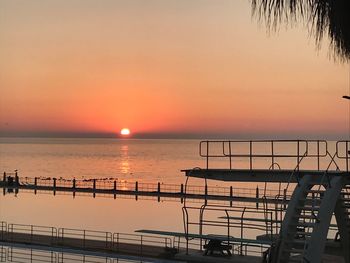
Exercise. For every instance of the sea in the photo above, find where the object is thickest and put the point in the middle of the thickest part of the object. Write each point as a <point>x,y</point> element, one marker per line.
<point>129,160</point>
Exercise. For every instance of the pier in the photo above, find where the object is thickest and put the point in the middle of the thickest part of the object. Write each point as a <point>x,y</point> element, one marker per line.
<point>114,188</point>
<point>306,218</point>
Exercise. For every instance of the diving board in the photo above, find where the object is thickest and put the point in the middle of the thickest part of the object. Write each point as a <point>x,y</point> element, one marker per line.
<point>206,236</point>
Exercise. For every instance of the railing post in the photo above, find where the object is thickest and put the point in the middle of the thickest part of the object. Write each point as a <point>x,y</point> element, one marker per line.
<point>284,198</point>
<point>229,145</point>
<point>318,155</point>
<point>207,155</point>
<point>272,155</point>
<point>73,186</point>
<point>35,184</point>
<point>251,155</point>
<point>298,149</point>
<point>115,189</point>
<point>84,239</point>
<point>16,179</point>
<point>347,156</point>
<point>231,195</point>
<point>31,233</point>
<point>136,190</point>
<point>54,186</point>
<point>141,246</point>
<point>94,187</point>
<point>257,197</point>
<point>158,191</point>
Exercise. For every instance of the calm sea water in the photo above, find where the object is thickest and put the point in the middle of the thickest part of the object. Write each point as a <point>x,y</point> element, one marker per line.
<point>142,160</point>
<point>131,160</point>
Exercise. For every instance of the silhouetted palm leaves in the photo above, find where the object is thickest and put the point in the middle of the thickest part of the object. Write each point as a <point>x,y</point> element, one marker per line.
<point>331,17</point>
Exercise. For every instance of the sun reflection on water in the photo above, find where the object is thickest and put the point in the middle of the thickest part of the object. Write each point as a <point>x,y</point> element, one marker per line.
<point>124,165</point>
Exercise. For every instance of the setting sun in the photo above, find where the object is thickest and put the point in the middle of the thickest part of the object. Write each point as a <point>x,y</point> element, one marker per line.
<point>125,131</point>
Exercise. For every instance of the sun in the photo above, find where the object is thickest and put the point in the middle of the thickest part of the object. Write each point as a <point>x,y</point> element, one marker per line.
<point>125,132</point>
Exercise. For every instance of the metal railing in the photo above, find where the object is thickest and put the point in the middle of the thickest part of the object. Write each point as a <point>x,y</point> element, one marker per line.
<point>145,242</point>
<point>115,187</point>
<point>252,152</point>
<point>3,230</point>
<point>2,254</point>
<point>20,255</point>
<point>84,238</point>
<point>28,255</point>
<point>343,153</point>
<point>31,233</point>
<point>87,239</point>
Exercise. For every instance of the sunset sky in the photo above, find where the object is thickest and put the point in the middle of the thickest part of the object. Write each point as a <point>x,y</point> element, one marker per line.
<point>198,67</point>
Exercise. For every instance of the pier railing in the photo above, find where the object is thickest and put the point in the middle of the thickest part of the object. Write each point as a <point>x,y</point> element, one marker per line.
<point>145,241</point>
<point>83,239</point>
<point>31,233</point>
<point>275,154</point>
<point>29,255</point>
<point>114,186</point>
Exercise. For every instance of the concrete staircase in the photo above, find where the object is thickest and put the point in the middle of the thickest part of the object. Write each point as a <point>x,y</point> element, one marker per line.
<point>305,227</point>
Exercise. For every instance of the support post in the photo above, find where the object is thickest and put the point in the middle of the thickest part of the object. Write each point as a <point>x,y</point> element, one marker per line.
<point>136,189</point>
<point>182,193</point>
<point>74,184</point>
<point>94,187</point>
<point>115,188</point>
<point>257,197</point>
<point>54,186</point>
<point>158,191</point>
<point>16,179</point>
<point>35,184</point>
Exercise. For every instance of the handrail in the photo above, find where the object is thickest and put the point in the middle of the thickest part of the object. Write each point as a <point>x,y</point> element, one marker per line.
<point>70,236</point>
<point>272,149</point>
<point>346,155</point>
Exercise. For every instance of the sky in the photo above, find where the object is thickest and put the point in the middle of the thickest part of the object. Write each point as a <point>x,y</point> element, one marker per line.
<point>164,68</point>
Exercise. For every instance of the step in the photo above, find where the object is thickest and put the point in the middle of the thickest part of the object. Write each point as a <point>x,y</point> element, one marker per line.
<point>293,250</point>
<point>296,241</point>
<point>299,260</point>
<point>315,191</point>
<point>303,233</point>
<point>305,224</point>
<point>308,208</point>
<point>314,217</point>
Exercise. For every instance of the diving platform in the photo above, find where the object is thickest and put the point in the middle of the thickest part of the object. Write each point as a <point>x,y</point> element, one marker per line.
<point>260,175</point>
<point>317,173</point>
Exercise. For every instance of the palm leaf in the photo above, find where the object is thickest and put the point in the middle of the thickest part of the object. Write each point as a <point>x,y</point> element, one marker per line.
<point>324,17</point>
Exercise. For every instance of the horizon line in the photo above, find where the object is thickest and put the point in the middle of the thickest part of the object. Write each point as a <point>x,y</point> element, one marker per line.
<point>173,135</point>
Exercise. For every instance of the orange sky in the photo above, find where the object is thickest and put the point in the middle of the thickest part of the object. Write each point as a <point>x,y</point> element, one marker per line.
<point>156,66</point>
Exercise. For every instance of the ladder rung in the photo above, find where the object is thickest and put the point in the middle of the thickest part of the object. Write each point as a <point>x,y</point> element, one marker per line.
<point>294,250</point>
<point>315,191</point>
<point>303,233</point>
<point>309,208</point>
<point>305,224</point>
<point>307,216</point>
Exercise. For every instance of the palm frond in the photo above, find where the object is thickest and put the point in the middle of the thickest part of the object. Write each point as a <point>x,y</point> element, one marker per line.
<point>325,17</point>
